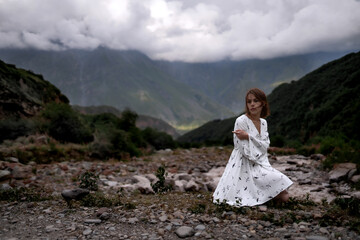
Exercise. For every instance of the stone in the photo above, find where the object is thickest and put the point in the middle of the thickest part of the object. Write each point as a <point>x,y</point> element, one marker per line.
<point>12,159</point>
<point>179,185</point>
<point>143,184</point>
<point>76,194</point>
<point>351,173</point>
<point>20,172</point>
<point>4,174</point>
<point>340,171</point>
<point>5,187</point>
<point>163,218</point>
<point>355,179</point>
<point>133,220</point>
<point>262,208</point>
<point>92,221</point>
<point>87,231</point>
<point>317,156</point>
<point>200,227</point>
<point>192,186</point>
<point>184,232</point>
<point>315,237</point>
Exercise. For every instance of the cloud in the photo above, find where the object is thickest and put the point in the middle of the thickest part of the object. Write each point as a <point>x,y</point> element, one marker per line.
<point>187,30</point>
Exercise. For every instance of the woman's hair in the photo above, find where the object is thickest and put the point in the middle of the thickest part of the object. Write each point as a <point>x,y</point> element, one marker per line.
<point>259,95</point>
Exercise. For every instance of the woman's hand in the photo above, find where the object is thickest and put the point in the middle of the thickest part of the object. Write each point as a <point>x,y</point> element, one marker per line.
<point>241,134</point>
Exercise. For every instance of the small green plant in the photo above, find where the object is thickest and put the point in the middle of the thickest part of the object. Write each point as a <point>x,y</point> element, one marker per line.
<point>89,180</point>
<point>98,199</point>
<point>160,186</point>
<point>198,208</point>
<point>23,195</point>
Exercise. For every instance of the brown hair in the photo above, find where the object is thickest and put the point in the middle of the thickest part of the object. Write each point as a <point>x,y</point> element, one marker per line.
<point>260,95</point>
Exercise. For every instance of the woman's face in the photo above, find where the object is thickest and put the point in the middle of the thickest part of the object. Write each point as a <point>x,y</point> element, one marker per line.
<point>254,105</point>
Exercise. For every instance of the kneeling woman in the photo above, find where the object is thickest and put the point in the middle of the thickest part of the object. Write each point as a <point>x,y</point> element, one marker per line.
<point>249,179</point>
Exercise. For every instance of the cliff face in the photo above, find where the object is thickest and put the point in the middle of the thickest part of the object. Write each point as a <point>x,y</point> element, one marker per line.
<point>23,93</point>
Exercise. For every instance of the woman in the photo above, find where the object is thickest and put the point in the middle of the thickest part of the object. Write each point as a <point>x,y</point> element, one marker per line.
<point>248,178</point>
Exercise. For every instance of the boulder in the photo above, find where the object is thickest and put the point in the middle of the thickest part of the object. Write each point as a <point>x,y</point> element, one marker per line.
<point>179,185</point>
<point>4,174</point>
<point>192,186</point>
<point>76,194</point>
<point>355,179</point>
<point>143,184</point>
<point>184,232</point>
<point>340,171</point>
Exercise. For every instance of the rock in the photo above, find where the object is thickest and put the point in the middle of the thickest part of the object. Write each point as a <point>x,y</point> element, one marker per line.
<point>163,218</point>
<point>87,231</point>
<point>200,227</point>
<point>133,220</point>
<point>76,194</point>
<point>262,208</point>
<point>316,238</point>
<point>184,232</point>
<point>340,171</point>
<point>12,159</point>
<point>351,173</point>
<point>183,176</point>
<point>4,174</point>
<point>179,185</point>
<point>192,186</point>
<point>143,184</point>
<point>5,187</point>
<point>317,156</point>
<point>355,178</point>
<point>356,195</point>
<point>92,221</point>
<point>20,172</point>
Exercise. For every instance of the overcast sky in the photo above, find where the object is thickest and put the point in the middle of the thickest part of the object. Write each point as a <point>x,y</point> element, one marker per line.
<point>188,30</point>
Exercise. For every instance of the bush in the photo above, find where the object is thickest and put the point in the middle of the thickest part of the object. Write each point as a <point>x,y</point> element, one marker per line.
<point>159,140</point>
<point>14,128</point>
<point>277,141</point>
<point>65,125</point>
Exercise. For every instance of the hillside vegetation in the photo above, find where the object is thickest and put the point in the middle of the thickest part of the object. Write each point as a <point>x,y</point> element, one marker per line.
<point>320,108</point>
<point>185,95</point>
<point>122,79</point>
<point>33,109</point>
<point>23,93</point>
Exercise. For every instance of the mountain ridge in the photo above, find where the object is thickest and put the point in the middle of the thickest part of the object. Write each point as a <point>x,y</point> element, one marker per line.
<point>130,79</point>
<point>324,102</point>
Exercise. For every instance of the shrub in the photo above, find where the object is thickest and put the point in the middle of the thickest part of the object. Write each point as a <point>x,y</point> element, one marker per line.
<point>159,140</point>
<point>89,180</point>
<point>65,125</point>
<point>13,128</point>
<point>160,186</point>
<point>277,141</point>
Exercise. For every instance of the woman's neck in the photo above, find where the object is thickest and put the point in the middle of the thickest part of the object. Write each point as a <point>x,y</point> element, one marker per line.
<point>254,117</point>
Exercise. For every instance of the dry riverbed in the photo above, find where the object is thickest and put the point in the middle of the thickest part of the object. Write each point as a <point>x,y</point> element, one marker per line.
<point>125,208</point>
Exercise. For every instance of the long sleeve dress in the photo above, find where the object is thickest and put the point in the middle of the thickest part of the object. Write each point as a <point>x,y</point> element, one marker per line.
<point>248,178</point>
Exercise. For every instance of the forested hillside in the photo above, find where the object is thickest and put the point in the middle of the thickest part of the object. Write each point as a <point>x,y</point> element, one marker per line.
<point>325,102</point>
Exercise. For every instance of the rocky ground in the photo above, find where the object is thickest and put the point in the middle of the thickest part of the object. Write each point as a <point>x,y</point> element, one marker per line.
<point>127,208</point>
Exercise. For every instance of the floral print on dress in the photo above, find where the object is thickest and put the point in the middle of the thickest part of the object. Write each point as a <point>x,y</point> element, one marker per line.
<point>248,178</point>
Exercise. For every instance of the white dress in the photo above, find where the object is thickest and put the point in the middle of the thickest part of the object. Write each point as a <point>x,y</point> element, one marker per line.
<point>248,178</point>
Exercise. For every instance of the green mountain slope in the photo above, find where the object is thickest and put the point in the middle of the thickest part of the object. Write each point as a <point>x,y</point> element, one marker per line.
<point>325,102</point>
<point>226,82</point>
<point>23,93</point>
<point>142,121</point>
<point>120,79</point>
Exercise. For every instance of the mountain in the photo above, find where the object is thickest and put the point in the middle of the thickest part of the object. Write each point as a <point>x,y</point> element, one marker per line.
<point>23,93</point>
<point>227,82</point>
<point>142,121</point>
<point>120,79</point>
<point>185,95</point>
<point>325,102</point>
